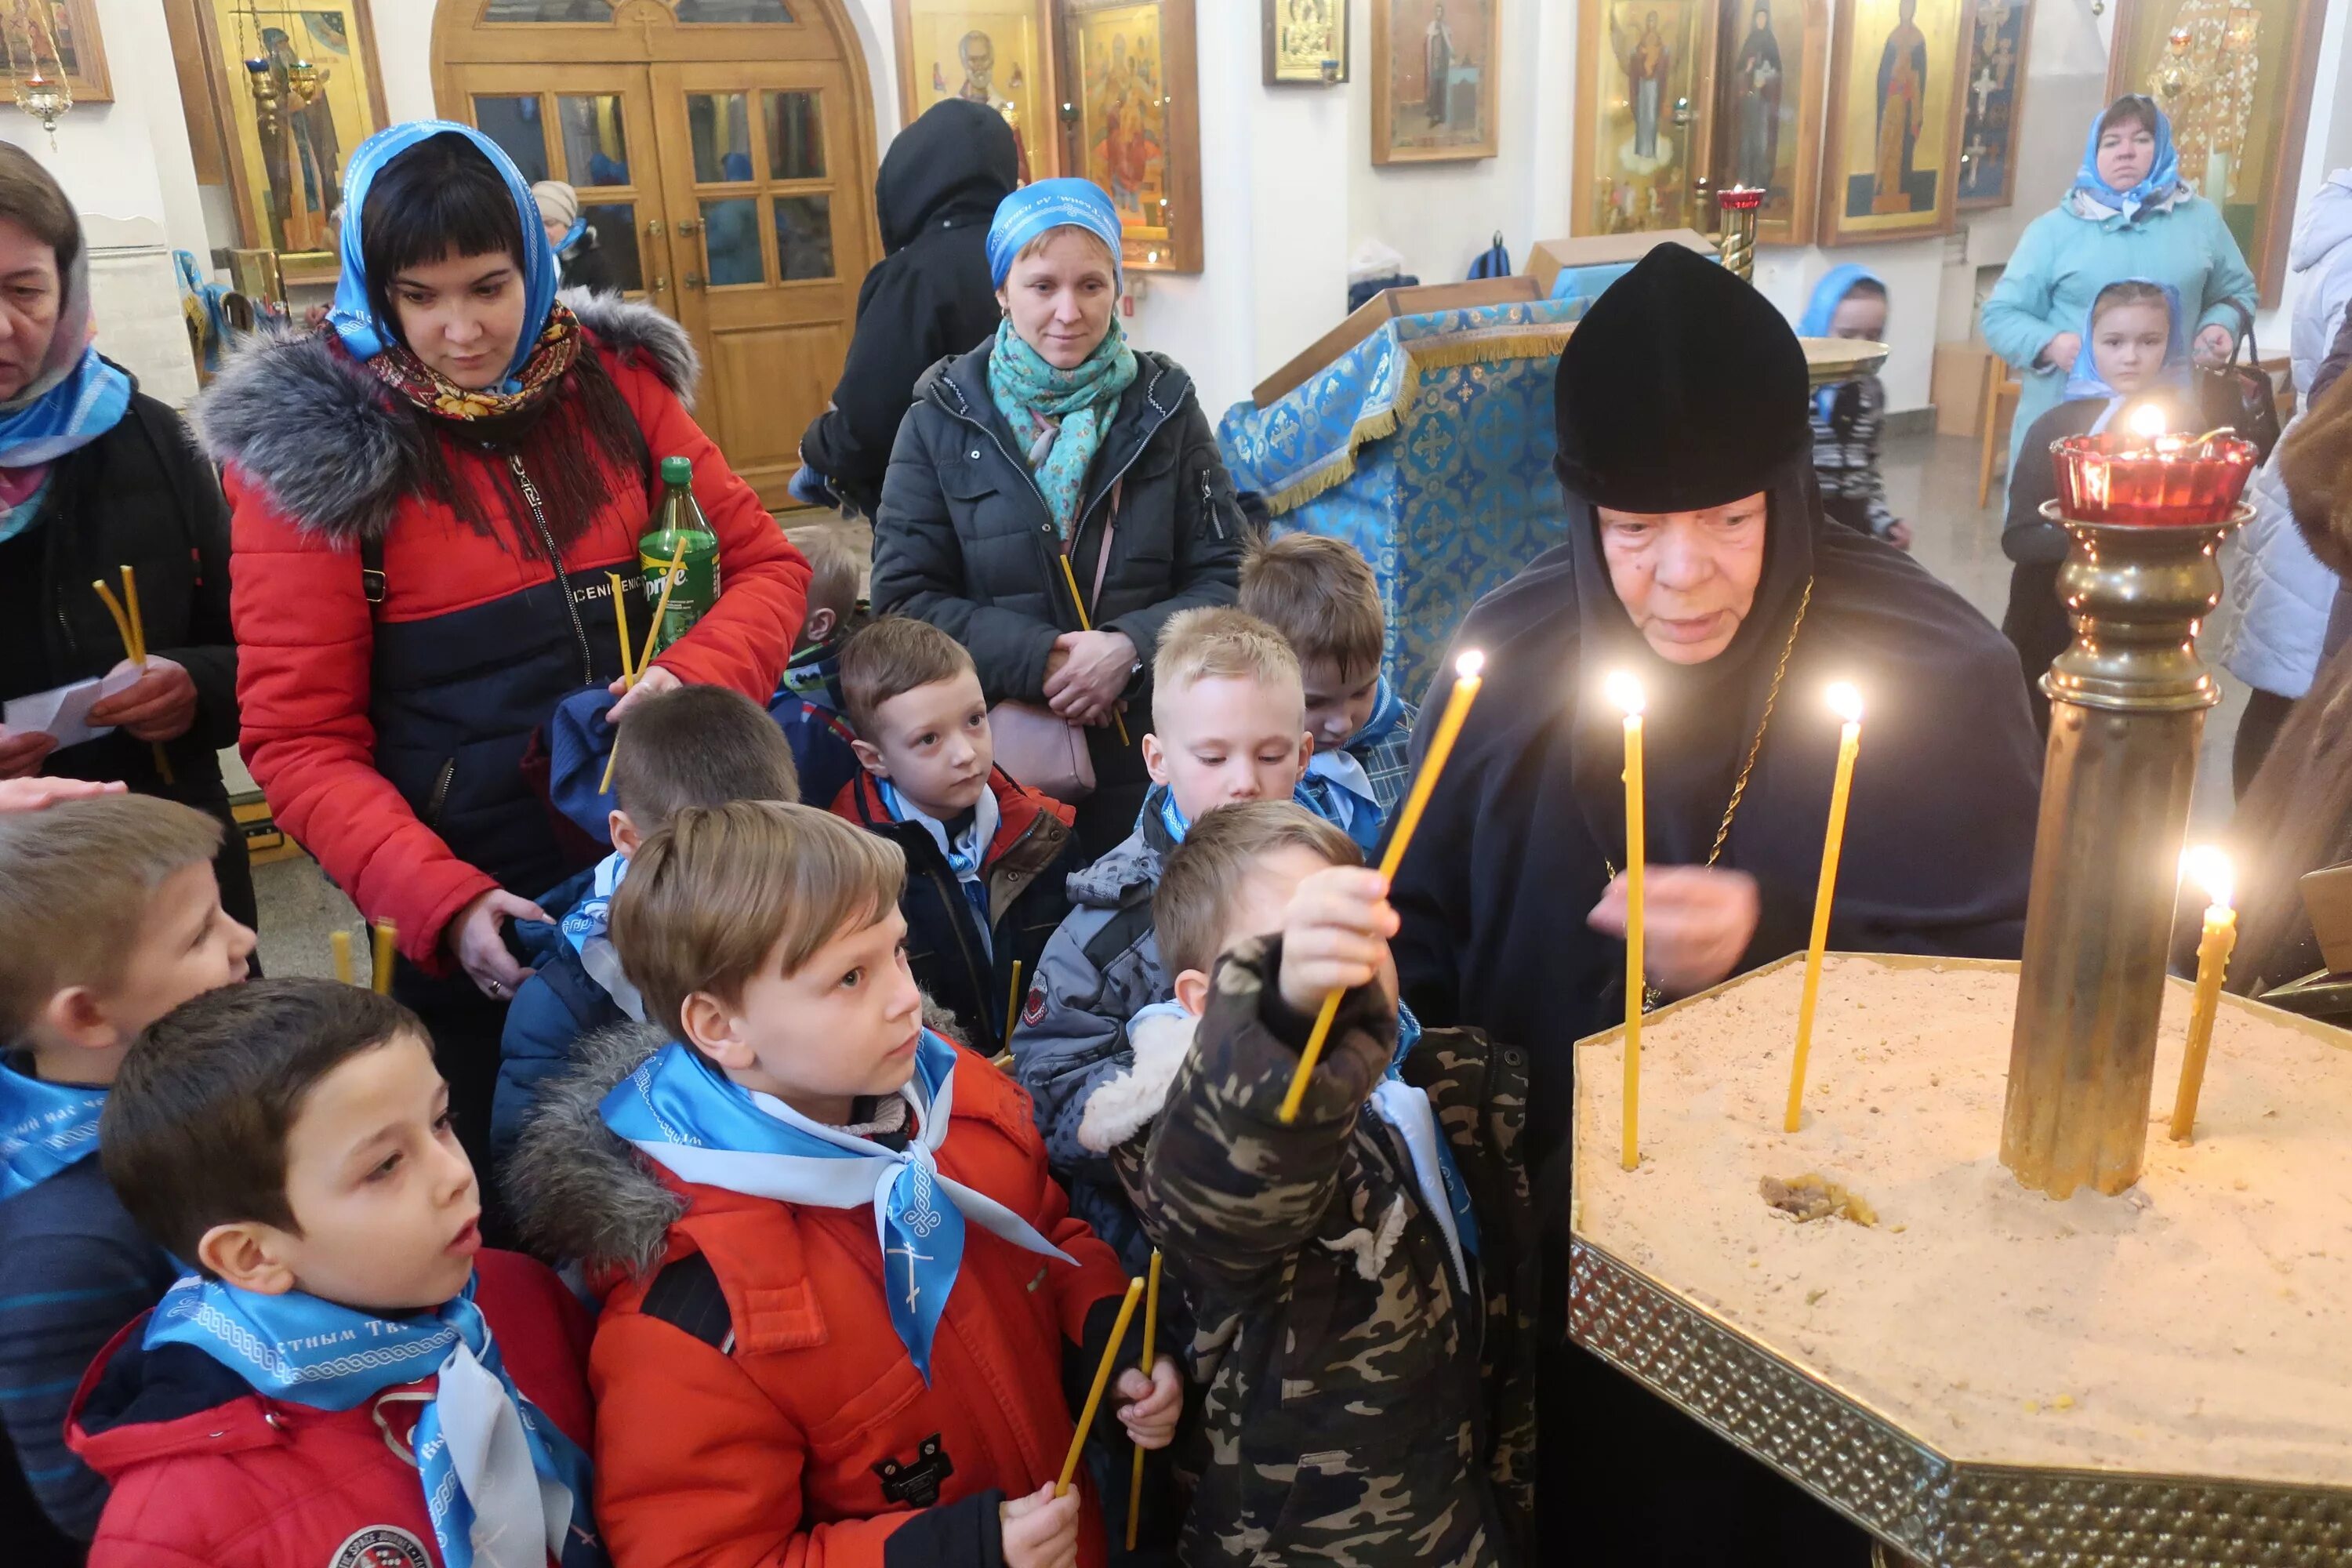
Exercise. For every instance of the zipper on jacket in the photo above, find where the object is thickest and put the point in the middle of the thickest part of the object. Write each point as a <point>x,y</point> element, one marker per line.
<point>440,796</point>
<point>555,559</point>
<point>1209,504</point>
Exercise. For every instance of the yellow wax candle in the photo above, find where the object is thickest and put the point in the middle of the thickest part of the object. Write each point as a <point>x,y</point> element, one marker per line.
<point>1847,703</point>
<point>340,942</point>
<point>1151,1335</point>
<point>1102,1380</point>
<point>2212,867</point>
<point>633,673</point>
<point>1086,624</point>
<point>621,619</point>
<point>1625,692</point>
<point>1467,679</point>
<point>380,971</point>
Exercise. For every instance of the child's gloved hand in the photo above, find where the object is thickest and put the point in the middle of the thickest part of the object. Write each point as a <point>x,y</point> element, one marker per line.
<point>1154,1402</point>
<point>1335,935</point>
<point>1040,1530</point>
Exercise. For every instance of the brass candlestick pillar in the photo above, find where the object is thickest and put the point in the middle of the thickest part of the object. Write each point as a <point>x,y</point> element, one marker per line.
<point>2127,705</point>
<point>1739,204</point>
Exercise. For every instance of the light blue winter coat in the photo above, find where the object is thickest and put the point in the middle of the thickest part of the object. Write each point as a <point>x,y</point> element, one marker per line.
<point>2279,590</point>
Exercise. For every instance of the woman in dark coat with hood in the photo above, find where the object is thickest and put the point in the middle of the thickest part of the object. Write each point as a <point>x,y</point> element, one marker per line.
<point>928,297</point>
<point>1698,559</point>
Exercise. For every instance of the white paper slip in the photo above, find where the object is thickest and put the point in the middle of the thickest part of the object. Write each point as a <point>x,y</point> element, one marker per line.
<point>63,711</point>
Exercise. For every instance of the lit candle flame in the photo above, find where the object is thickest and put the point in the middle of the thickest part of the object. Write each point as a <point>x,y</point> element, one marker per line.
<point>2209,867</point>
<point>1470,665</point>
<point>2148,421</point>
<point>1623,691</point>
<point>1846,700</point>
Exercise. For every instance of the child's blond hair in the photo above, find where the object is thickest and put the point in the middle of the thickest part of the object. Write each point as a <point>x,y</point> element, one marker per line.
<point>1320,594</point>
<point>1205,875</point>
<point>1218,642</point>
<point>714,896</point>
<point>834,572</point>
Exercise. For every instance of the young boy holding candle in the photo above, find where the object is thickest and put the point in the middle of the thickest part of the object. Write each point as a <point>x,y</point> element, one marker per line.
<point>347,1377</point>
<point>988,860</point>
<point>1345,1257</point>
<point>109,918</point>
<point>1320,595</point>
<point>775,1381</point>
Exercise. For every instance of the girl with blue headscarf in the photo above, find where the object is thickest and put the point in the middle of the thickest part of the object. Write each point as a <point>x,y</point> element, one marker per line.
<point>95,475</point>
<point>2128,214</point>
<point>1850,302</point>
<point>433,494</point>
<point>1055,495</point>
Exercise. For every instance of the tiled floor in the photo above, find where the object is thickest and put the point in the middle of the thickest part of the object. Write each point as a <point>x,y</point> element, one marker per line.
<point>1930,481</point>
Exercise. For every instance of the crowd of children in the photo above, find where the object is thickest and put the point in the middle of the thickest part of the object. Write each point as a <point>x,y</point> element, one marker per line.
<point>839,1117</point>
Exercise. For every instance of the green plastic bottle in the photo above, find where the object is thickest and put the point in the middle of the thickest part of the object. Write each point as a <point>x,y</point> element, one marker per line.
<point>680,521</point>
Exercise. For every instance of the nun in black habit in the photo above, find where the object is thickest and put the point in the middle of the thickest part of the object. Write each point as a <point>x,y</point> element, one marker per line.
<point>1699,560</point>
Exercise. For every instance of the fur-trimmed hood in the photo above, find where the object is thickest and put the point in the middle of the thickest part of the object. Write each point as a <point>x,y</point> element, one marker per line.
<point>1124,1104</point>
<point>310,425</point>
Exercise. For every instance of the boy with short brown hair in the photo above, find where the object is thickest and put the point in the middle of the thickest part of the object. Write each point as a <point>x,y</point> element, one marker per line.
<point>109,919</point>
<point>1320,594</point>
<point>782,1219</point>
<point>988,860</point>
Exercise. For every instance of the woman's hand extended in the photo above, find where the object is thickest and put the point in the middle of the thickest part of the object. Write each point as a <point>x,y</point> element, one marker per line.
<point>1085,688</point>
<point>475,939</point>
<point>653,680</point>
<point>161,706</point>
<point>1696,922</point>
<point>2214,344</point>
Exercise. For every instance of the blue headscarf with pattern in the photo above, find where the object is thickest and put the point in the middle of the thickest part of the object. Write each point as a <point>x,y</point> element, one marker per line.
<point>2092,198</point>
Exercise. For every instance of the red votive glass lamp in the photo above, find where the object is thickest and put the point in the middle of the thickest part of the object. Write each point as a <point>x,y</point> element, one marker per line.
<point>2145,476</point>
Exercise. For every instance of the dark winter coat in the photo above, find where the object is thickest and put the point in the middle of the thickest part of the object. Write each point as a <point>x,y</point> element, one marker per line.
<point>552,1013</point>
<point>928,297</point>
<point>140,495</point>
<point>1026,869</point>
<point>589,265</point>
<point>965,540</point>
<point>392,739</point>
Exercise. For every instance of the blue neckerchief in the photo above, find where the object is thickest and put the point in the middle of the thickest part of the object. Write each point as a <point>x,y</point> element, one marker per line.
<point>966,852</point>
<point>353,315</point>
<point>1387,713</point>
<point>1308,793</point>
<point>1339,790</point>
<point>91,400</point>
<point>693,1122</point>
<point>2094,198</point>
<point>1408,1110</point>
<point>26,512</point>
<point>502,1483</point>
<point>570,236</point>
<point>44,1128</point>
<point>586,927</point>
<point>1171,815</point>
<point>2085,380</point>
<point>1822,309</point>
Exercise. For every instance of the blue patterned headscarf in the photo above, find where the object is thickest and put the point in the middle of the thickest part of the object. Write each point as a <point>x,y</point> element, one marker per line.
<point>2094,198</point>
<point>1822,309</point>
<point>1049,204</point>
<point>353,317</point>
<point>74,397</point>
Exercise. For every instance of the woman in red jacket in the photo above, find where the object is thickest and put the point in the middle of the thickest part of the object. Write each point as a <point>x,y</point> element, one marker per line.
<point>427,495</point>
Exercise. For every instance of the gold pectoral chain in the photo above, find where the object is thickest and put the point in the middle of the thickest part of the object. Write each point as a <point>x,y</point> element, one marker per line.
<point>1651,995</point>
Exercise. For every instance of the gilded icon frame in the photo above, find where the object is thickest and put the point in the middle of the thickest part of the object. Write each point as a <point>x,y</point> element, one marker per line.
<point>1286,65</point>
<point>1029,85</point>
<point>1096,60</point>
<point>2020,38</point>
<point>1390,112</point>
<point>1866,29</point>
<point>1791,220</point>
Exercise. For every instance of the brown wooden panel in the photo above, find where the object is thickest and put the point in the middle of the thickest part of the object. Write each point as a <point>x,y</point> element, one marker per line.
<point>762,385</point>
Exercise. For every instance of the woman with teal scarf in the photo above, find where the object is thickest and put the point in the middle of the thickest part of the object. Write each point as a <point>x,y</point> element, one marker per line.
<point>2126,215</point>
<point>1055,494</point>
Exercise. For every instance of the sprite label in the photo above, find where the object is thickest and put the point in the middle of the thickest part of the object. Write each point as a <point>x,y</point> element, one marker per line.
<point>680,523</point>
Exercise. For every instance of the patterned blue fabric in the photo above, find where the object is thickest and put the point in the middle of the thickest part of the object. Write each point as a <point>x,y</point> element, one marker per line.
<point>44,1128</point>
<point>1045,205</point>
<point>1453,500</point>
<point>2092,197</point>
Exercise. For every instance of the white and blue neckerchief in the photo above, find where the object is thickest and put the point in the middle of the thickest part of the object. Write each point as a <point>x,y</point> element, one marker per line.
<point>966,852</point>
<point>1171,815</point>
<point>503,1486</point>
<point>1339,790</point>
<point>1442,1192</point>
<point>586,928</point>
<point>44,1128</point>
<point>689,1118</point>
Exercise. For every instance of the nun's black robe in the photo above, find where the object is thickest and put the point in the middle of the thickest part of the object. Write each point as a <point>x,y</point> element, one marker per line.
<point>1519,839</point>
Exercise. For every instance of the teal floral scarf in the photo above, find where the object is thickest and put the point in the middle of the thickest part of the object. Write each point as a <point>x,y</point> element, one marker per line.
<point>1059,416</point>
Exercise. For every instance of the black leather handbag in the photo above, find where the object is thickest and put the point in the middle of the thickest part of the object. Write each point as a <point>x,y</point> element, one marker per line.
<point>2237,392</point>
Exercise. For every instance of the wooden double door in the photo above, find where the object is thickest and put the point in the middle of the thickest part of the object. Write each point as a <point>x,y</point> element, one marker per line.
<point>735,194</point>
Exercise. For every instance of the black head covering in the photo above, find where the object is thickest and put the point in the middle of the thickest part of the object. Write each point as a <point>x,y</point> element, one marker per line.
<point>957,160</point>
<point>1677,389</point>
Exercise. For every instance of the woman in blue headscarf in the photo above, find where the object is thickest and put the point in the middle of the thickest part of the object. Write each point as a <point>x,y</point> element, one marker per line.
<point>2135,351</point>
<point>2127,216</point>
<point>1055,494</point>
<point>96,476</point>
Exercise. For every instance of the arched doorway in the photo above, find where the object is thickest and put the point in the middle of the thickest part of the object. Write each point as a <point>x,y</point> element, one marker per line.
<point>724,151</point>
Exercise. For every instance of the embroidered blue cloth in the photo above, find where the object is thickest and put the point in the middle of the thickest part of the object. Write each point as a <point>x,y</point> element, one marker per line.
<point>353,315</point>
<point>2092,198</point>
<point>966,852</point>
<point>503,1484</point>
<point>44,1128</point>
<point>692,1121</point>
<point>1822,309</point>
<point>1048,204</point>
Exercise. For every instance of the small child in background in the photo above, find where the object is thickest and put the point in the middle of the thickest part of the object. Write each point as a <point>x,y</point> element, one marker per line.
<point>348,1377</point>
<point>808,703</point>
<point>1229,724</point>
<point>1320,594</point>
<point>1851,303</point>
<point>774,1381</point>
<point>988,860</point>
<point>109,918</point>
<point>2135,349</point>
<point>1373,1259</point>
<point>695,745</point>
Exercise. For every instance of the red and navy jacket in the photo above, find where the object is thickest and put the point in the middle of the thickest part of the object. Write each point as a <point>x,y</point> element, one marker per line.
<point>1026,872</point>
<point>392,737</point>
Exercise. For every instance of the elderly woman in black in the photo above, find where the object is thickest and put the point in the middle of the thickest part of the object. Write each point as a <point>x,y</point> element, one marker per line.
<point>1697,558</point>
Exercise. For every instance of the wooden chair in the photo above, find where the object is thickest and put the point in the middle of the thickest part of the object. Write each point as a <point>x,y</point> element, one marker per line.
<point>2001,391</point>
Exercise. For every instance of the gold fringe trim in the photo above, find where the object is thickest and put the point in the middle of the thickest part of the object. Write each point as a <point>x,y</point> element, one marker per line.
<point>1469,349</point>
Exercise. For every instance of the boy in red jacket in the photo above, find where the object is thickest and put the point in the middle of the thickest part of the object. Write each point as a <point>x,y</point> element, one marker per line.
<point>851,1315</point>
<point>347,1379</point>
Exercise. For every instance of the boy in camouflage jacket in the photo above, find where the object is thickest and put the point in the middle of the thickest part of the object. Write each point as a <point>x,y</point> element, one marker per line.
<point>1367,1319</point>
